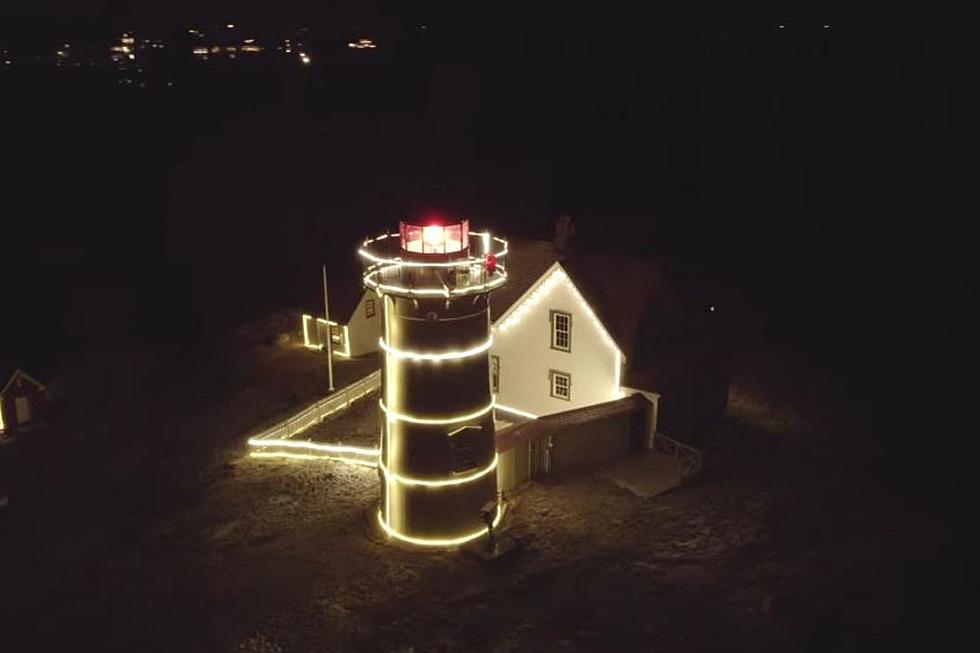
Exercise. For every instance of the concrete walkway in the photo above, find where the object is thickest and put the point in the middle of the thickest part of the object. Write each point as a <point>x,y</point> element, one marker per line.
<point>645,475</point>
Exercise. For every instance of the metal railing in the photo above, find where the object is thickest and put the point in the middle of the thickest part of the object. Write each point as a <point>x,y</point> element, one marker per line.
<point>320,409</point>
<point>689,460</point>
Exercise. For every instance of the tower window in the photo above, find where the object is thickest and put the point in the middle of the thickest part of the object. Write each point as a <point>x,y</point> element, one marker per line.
<point>463,443</point>
<point>495,373</point>
<point>369,308</point>
<point>561,331</point>
<point>561,385</point>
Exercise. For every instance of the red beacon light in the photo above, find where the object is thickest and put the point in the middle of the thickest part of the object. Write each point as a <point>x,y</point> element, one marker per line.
<point>491,262</point>
<point>435,237</point>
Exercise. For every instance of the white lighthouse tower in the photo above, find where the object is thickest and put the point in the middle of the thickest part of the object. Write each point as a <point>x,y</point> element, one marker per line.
<point>438,455</point>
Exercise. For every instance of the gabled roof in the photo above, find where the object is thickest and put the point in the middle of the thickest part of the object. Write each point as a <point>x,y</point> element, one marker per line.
<point>344,299</point>
<point>526,261</point>
<point>620,289</point>
<point>21,373</point>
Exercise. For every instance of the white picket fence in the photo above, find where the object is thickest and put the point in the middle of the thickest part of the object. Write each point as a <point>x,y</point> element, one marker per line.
<point>316,412</point>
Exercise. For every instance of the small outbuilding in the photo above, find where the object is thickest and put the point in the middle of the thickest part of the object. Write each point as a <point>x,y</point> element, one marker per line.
<point>22,402</point>
<point>358,336</point>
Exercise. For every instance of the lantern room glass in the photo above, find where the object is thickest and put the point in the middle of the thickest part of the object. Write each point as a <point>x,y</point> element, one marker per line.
<point>435,238</point>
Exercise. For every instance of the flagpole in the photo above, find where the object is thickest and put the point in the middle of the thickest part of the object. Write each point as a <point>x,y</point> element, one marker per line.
<point>326,313</point>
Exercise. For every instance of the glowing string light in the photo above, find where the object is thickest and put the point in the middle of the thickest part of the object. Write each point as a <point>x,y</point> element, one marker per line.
<point>462,262</point>
<point>460,480</point>
<point>315,446</point>
<point>519,311</point>
<point>515,411</point>
<point>306,331</point>
<point>371,281</point>
<point>437,541</point>
<point>306,335</point>
<point>346,352</point>
<point>308,456</point>
<point>312,414</point>
<point>395,416</point>
<point>443,356</point>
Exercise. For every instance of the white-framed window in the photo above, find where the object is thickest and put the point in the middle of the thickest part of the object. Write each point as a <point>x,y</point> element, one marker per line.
<point>495,373</point>
<point>561,384</point>
<point>368,308</point>
<point>561,331</point>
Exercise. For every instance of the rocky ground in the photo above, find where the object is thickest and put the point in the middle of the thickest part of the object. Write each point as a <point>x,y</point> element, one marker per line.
<point>773,550</point>
<point>791,541</point>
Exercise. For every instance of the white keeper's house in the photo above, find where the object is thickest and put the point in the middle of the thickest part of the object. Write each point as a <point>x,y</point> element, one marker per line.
<point>574,329</point>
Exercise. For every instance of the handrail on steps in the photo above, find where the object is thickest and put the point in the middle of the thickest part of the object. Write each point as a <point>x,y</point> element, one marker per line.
<point>689,460</point>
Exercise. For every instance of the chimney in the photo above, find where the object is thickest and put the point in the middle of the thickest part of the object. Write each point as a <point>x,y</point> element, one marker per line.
<point>564,231</point>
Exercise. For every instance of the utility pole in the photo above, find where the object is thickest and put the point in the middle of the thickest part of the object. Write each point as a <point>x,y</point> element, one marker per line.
<point>326,314</point>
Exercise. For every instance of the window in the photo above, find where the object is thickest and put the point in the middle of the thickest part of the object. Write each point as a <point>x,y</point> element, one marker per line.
<point>561,385</point>
<point>561,331</point>
<point>494,373</point>
<point>369,308</point>
<point>463,443</point>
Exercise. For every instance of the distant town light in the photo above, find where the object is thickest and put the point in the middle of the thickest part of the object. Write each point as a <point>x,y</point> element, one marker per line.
<point>231,26</point>
<point>362,44</point>
<point>826,26</point>
<point>711,308</point>
<point>782,27</point>
<point>304,58</point>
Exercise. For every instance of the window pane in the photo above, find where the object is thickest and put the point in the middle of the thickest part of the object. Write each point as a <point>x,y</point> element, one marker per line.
<point>561,385</point>
<point>561,329</point>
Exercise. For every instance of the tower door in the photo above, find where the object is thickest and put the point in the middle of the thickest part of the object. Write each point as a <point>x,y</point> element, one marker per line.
<point>534,458</point>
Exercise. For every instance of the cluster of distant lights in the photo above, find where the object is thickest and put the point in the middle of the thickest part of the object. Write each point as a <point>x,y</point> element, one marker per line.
<point>362,44</point>
<point>127,48</point>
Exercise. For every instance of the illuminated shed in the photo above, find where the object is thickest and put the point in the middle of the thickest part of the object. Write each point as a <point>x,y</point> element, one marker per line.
<point>22,402</point>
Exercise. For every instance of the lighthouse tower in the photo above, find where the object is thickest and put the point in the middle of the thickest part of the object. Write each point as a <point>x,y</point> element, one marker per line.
<point>438,456</point>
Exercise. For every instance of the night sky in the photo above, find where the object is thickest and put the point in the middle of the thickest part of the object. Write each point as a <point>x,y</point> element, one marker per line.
<point>810,175</point>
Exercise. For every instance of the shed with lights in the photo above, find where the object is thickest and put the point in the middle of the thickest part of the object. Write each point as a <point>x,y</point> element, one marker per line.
<point>22,402</point>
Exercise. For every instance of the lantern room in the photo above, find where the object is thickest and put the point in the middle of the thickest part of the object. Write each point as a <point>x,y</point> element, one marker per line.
<point>435,236</point>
